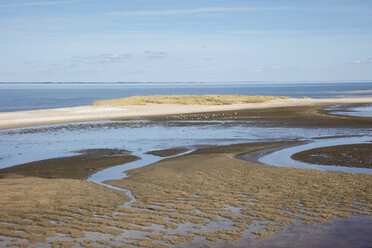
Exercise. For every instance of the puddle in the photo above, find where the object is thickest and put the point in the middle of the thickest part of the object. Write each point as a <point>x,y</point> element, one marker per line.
<point>341,232</point>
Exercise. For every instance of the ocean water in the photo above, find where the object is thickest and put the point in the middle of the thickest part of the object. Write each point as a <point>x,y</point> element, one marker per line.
<point>31,96</point>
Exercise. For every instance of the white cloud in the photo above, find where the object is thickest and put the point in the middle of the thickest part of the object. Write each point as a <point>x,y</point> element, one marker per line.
<point>362,61</point>
<point>280,32</point>
<point>109,58</point>
<point>266,68</point>
<point>194,11</point>
<point>105,58</point>
<point>40,3</point>
<point>117,58</point>
<point>338,9</point>
<point>154,55</point>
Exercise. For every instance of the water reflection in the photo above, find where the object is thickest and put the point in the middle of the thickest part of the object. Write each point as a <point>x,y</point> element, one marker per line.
<point>31,144</point>
<point>360,111</point>
<point>341,232</point>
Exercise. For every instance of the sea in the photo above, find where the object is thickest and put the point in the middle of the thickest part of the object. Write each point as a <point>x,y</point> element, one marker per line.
<point>32,96</point>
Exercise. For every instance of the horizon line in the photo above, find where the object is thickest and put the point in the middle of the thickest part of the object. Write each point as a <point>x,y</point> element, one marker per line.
<point>237,81</point>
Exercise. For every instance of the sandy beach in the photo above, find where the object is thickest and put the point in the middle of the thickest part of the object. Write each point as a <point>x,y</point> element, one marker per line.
<point>19,119</point>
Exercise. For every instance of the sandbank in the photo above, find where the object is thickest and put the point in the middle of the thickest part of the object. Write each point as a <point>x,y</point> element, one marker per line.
<point>20,119</point>
<point>355,155</point>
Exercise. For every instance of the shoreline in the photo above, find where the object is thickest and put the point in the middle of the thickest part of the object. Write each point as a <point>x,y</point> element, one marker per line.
<point>20,119</point>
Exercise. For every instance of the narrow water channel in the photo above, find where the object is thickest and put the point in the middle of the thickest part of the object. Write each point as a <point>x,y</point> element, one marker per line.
<point>283,158</point>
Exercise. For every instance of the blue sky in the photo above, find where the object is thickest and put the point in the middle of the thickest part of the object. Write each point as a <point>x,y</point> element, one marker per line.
<point>194,40</point>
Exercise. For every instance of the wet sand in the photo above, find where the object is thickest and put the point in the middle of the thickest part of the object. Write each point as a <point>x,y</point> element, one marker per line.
<point>74,167</point>
<point>167,152</point>
<point>356,155</point>
<point>35,209</point>
<point>212,183</point>
<point>312,115</point>
<point>206,198</point>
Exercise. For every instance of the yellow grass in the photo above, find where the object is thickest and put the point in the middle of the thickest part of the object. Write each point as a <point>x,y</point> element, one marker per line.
<point>187,100</point>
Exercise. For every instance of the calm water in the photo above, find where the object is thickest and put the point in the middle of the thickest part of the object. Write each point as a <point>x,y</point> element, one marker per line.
<point>16,97</point>
<point>31,144</point>
<point>362,111</point>
<point>283,158</point>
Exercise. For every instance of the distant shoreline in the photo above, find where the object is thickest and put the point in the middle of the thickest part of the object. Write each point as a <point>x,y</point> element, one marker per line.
<point>19,119</point>
<point>198,82</point>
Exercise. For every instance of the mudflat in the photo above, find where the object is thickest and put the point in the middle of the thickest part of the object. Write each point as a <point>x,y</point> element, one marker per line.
<point>206,198</point>
<point>79,167</point>
<point>168,152</point>
<point>295,115</point>
<point>212,183</point>
<point>356,155</point>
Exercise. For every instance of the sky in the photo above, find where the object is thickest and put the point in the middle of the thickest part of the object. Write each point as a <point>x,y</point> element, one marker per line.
<point>183,41</point>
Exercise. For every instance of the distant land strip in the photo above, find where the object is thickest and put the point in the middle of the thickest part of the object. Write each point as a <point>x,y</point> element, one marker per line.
<point>187,100</point>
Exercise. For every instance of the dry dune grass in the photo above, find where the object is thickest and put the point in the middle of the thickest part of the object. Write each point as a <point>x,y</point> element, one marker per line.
<point>187,100</point>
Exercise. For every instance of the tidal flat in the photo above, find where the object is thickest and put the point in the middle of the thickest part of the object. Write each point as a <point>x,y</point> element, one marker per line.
<point>205,197</point>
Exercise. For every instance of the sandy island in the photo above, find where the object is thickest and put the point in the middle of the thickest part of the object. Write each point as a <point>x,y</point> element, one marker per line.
<point>106,110</point>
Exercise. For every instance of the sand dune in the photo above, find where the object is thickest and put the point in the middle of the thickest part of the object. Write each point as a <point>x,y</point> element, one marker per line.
<point>187,100</point>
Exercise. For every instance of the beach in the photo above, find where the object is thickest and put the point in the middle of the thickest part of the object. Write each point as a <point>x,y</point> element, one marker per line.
<point>107,112</point>
<point>205,197</point>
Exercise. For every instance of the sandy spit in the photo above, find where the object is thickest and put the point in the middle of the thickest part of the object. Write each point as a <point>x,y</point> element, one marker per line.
<point>20,119</point>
